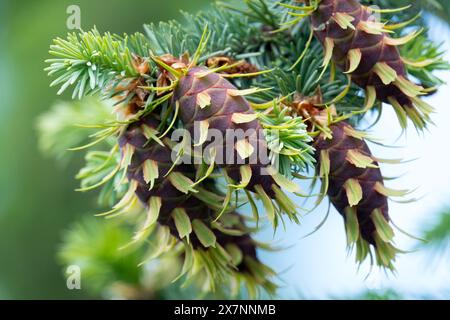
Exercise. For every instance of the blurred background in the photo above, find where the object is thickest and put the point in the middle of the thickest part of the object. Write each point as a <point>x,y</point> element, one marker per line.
<point>37,198</point>
<point>38,202</point>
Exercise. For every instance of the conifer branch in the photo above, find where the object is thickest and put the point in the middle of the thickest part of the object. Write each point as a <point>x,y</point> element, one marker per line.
<point>302,88</point>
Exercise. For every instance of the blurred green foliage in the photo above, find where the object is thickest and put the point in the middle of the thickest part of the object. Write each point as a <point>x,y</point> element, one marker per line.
<point>113,268</point>
<point>437,236</point>
<point>387,294</point>
<point>96,246</point>
<point>63,126</point>
<point>37,200</point>
<point>444,11</point>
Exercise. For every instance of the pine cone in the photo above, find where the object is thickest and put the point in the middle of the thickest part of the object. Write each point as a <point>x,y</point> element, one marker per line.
<point>224,109</point>
<point>356,189</point>
<point>171,200</point>
<point>362,48</point>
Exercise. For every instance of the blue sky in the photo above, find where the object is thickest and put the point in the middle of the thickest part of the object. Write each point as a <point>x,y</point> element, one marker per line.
<point>319,266</point>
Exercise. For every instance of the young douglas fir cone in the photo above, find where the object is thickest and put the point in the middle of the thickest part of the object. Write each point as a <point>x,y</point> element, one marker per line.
<point>171,203</point>
<point>362,48</point>
<point>208,101</point>
<point>224,108</point>
<point>355,188</point>
<point>352,180</point>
